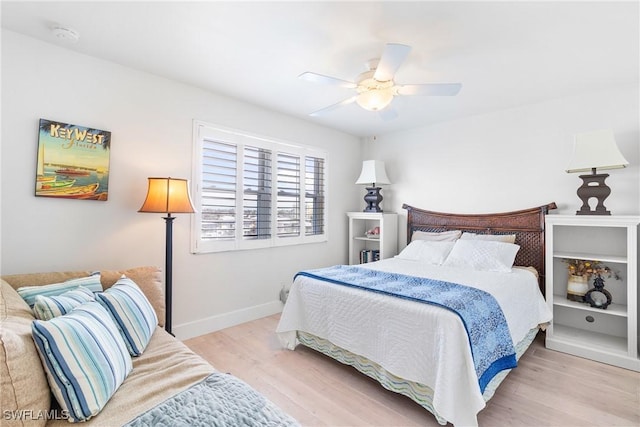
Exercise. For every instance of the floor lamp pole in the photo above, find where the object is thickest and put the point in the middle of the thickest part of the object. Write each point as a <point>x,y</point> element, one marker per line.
<point>167,271</point>
<point>166,195</point>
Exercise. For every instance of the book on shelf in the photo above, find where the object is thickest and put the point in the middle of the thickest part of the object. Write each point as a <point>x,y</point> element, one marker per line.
<point>369,255</point>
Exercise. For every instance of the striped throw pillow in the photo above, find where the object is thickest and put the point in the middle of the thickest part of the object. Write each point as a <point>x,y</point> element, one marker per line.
<point>28,293</point>
<point>46,308</point>
<point>132,312</point>
<point>84,357</point>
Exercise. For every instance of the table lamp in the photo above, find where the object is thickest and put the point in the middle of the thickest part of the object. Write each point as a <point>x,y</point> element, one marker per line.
<point>591,151</point>
<point>373,173</point>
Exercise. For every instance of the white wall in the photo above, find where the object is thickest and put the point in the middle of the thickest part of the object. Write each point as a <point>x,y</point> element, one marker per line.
<point>151,123</point>
<point>509,160</point>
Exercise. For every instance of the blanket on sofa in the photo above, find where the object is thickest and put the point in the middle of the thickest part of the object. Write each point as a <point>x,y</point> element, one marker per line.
<point>220,400</point>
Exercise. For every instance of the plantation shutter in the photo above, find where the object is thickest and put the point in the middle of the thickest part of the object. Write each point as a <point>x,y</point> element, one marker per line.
<point>314,196</point>
<point>257,193</point>
<point>252,191</point>
<point>218,195</point>
<point>288,203</point>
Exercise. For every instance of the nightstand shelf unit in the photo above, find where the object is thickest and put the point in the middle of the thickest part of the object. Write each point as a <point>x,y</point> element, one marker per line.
<point>386,242</point>
<point>606,335</point>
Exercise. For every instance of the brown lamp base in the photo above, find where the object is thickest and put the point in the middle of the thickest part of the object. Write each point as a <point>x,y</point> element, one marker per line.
<point>593,186</point>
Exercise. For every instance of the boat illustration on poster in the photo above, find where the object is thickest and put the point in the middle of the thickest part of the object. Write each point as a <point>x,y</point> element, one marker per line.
<point>51,185</point>
<point>73,161</point>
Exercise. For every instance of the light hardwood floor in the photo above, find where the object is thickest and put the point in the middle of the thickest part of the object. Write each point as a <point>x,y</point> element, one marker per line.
<point>548,388</point>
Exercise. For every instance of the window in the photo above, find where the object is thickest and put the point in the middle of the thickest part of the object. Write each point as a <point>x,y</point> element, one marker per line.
<point>255,192</point>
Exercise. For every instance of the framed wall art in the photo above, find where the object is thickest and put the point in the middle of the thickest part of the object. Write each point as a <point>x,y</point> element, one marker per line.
<point>73,161</point>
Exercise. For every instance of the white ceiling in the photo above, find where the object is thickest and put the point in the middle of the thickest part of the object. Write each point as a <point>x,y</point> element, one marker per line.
<point>504,53</point>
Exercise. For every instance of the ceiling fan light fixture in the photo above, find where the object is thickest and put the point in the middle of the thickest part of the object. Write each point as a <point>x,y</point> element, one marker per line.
<point>375,99</point>
<point>373,95</point>
<point>376,87</point>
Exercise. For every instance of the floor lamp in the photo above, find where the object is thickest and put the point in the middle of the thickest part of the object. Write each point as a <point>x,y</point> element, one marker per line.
<point>168,195</point>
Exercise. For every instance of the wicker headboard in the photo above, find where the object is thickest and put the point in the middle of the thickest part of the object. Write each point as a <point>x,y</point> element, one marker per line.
<point>527,225</point>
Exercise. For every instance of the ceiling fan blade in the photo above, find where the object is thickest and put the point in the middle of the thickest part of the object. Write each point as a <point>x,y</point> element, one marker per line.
<point>333,107</point>
<point>430,89</point>
<point>319,78</point>
<point>393,56</point>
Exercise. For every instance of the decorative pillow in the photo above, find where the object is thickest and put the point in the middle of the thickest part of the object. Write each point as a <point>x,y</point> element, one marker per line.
<point>506,238</point>
<point>84,357</point>
<point>443,236</point>
<point>149,279</point>
<point>482,255</point>
<point>46,308</point>
<point>28,293</point>
<point>132,313</point>
<point>426,251</point>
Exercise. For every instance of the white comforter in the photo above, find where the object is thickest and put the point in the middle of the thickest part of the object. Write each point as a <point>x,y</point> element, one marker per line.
<point>415,341</point>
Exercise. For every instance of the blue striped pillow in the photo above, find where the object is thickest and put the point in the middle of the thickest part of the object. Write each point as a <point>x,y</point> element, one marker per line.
<point>46,308</point>
<point>84,357</point>
<point>134,315</point>
<point>92,282</point>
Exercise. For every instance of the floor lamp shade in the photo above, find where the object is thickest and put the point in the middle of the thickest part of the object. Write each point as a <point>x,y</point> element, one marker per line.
<point>373,173</point>
<point>591,151</point>
<point>168,195</point>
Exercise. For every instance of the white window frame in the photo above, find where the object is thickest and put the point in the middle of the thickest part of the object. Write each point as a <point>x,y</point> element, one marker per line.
<point>203,130</point>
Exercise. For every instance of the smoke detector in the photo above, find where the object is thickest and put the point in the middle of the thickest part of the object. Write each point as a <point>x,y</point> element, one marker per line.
<point>65,34</point>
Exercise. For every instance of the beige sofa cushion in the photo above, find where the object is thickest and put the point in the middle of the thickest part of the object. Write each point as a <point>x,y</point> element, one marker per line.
<point>149,279</point>
<point>23,384</point>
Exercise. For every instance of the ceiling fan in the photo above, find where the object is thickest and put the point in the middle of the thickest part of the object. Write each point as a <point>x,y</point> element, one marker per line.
<point>375,88</point>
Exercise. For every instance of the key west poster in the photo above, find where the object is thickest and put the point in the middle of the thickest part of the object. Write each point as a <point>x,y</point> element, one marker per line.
<point>73,161</point>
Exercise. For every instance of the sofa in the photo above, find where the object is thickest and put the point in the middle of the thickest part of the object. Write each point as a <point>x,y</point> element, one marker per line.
<point>153,392</point>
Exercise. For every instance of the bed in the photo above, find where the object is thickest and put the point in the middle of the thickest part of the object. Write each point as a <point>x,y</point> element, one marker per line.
<point>385,319</point>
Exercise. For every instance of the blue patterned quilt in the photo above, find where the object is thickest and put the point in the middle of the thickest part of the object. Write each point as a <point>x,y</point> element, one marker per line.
<point>220,400</point>
<point>489,338</point>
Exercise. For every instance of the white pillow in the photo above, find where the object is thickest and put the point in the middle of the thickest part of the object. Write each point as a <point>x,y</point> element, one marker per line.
<point>482,255</point>
<point>507,238</point>
<point>426,251</point>
<point>442,236</point>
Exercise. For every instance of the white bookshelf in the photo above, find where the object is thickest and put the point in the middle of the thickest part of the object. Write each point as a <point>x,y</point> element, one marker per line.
<point>386,242</point>
<point>606,335</point>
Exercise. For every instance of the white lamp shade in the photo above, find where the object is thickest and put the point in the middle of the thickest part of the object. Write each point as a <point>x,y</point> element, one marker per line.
<point>373,172</point>
<point>596,149</point>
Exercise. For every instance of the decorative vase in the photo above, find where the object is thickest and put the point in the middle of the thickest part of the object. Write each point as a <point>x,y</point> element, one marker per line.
<point>577,287</point>
<point>598,296</point>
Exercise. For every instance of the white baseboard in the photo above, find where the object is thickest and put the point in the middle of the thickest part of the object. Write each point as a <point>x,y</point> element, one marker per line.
<point>215,323</point>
